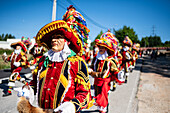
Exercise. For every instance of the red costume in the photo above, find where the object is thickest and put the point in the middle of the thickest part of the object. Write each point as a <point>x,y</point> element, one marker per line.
<point>106,65</point>
<point>19,57</point>
<point>18,60</point>
<point>134,54</point>
<point>62,81</point>
<point>60,78</point>
<point>37,53</point>
<point>127,56</point>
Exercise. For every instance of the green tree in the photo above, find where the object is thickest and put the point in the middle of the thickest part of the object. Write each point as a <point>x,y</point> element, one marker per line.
<point>167,44</point>
<point>97,37</point>
<point>4,37</point>
<point>144,42</point>
<point>126,31</point>
<point>151,41</point>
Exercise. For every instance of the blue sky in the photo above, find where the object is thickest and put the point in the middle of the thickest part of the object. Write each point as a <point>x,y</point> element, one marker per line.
<point>26,17</point>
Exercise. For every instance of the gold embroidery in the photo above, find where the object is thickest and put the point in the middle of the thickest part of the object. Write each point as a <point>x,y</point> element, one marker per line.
<point>42,87</point>
<point>63,80</point>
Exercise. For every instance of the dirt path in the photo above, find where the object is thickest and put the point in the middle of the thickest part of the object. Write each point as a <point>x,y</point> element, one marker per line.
<point>154,87</point>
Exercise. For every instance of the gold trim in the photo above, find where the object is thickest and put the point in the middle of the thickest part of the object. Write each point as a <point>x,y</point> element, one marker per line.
<point>42,87</point>
<point>58,84</point>
<point>55,95</point>
<point>52,26</point>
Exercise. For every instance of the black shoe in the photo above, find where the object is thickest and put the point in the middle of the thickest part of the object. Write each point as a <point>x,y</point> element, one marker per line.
<point>126,79</point>
<point>131,70</point>
<point>113,89</point>
<point>7,94</point>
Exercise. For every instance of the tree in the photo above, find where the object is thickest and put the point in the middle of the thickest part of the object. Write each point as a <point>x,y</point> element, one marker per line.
<point>126,31</point>
<point>151,41</point>
<point>5,37</point>
<point>97,37</point>
<point>167,44</point>
<point>144,42</point>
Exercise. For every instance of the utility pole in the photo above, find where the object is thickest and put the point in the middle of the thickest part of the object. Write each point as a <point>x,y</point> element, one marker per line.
<point>54,10</point>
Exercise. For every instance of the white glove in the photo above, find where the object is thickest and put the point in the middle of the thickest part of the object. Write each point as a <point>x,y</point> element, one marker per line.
<point>5,55</point>
<point>32,67</point>
<point>90,70</point>
<point>17,64</point>
<point>134,58</point>
<point>121,76</point>
<point>127,55</point>
<point>66,107</point>
<point>26,92</point>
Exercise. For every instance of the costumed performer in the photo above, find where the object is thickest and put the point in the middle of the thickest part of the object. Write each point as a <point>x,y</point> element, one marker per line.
<point>127,56</point>
<point>134,54</point>
<point>18,60</point>
<point>61,81</point>
<point>104,69</point>
<point>37,53</point>
<point>117,56</point>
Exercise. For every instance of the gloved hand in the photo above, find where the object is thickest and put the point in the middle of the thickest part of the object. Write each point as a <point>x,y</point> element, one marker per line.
<point>98,74</point>
<point>90,70</point>
<point>121,76</point>
<point>17,64</point>
<point>66,107</point>
<point>4,56</point>
<point>32,67</point>
<point>128,56</point>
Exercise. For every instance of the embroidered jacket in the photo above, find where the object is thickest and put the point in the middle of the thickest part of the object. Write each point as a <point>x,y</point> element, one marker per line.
<point>58,82</point>
<point>110,65</point>
<point>37,53</point>
<point>102,83</point>
<point>21,57</point>
<point>134,57</point>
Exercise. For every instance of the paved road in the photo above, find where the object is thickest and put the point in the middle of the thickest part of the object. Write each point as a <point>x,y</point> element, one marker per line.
<point>6,72</point>
<point>122,100</point>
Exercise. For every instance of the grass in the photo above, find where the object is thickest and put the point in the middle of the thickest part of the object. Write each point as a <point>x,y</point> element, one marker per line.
<point>4,65</point>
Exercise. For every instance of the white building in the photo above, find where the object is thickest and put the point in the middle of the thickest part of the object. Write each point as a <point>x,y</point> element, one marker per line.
<point>6,44</point>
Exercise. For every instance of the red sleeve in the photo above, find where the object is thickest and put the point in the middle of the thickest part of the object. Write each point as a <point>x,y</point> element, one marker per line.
<point>33,82</point>
<point>82,87</point>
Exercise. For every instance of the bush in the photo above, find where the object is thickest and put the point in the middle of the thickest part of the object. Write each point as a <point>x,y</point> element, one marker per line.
<point>8,51</point>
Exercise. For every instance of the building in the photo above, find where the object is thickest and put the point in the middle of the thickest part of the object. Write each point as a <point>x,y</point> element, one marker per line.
<point>6,44</point>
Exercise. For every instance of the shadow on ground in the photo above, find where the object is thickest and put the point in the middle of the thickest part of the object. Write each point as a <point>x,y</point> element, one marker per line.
<point>159,66</point>
<point>4,85</point>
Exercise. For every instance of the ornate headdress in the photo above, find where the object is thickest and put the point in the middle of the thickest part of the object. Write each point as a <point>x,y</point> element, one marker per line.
<point>108,40</point>
<point>23,46</point>
<point>136,46</point>
<point>127,41</point>
<point>26,41</point>
<point>73,27</point>
<point>77,23</point>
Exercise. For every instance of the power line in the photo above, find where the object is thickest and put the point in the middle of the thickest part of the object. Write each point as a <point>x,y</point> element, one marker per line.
<point>92,21</point>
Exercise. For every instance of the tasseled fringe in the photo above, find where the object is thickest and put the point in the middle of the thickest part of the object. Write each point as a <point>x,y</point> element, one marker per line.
<point>86,85</point>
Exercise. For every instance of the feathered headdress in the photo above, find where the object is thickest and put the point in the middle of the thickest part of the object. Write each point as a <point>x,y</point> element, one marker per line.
<point>109,41</point>
<point>77,23</point>
<point>127,41</point>
<point>26,41</point>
